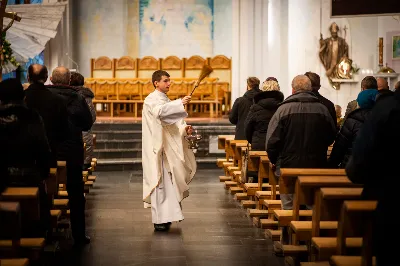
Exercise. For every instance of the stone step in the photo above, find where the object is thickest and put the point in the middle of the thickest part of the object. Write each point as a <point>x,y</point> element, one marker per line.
<point>102,126</point>
<point>117,153</point>
<point>118,134</point>
<point>118,144</point>
<point>123,164</point>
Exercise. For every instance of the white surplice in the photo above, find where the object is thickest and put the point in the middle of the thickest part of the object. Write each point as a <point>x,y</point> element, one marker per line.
<point>168,164</point>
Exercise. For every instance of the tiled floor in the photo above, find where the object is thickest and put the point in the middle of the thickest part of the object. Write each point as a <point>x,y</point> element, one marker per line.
<point>215,231</point>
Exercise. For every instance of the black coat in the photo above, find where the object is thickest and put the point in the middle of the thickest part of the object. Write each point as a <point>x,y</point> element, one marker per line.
<point>342,149</point>
<point>79,119</point>
<point>329,105</point>
<point>256,125</point>
<point>239,112</point>
<point>300,132</point>
<point>52,108</point>
<point>25,151</point>
<point>375,164</point>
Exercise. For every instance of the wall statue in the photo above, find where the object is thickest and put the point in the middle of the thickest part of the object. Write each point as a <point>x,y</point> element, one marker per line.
<point>334,50</point>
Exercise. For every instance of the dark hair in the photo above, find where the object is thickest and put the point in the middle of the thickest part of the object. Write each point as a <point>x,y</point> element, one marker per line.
<point>77,79</point>
<point>369,82</point>
<point>315,80</point>
<point>253,82</point>
<point>11,90</point>
<point>37,73</point>
<point>271,78</point>
<point>157,75</point>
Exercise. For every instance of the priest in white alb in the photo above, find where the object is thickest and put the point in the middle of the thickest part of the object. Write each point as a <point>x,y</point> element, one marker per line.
<point>168,164</point>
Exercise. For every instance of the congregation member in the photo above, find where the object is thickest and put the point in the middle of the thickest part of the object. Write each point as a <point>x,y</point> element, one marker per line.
<point>71,150</point>
<point>298,135</point>
<point>168,164</point>
<point>383,88</point>
<point>339,118</point>
<point>265,105</point>
<point>342,148</point>
<point>241,107</point>
<point>316,86</point>
<point>78,81</point>
<point>25,150</point>
<point>51,107</point>
<point>397,86</point>
<point>375,165</point>
<point>368,83</point>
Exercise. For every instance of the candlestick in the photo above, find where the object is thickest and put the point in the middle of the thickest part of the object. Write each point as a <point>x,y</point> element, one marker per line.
<point>381,52</point>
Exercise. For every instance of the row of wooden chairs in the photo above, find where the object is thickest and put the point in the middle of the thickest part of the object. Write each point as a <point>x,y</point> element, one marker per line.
<point>335,231</point>
<point>19,207</point>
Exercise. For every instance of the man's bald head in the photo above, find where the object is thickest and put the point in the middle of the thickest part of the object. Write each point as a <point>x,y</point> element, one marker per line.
<point>37,74</point>
<point>382,84</point>
<point>301,83</point>
<point>61,76</point>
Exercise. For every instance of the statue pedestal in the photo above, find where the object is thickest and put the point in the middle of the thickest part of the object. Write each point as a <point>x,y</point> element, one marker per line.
<point>347,91</point>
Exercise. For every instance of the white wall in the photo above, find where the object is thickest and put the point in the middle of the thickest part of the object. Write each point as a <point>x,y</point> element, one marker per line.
<point>293,30</point>
<point>99,28</point>
<point>222,27</point>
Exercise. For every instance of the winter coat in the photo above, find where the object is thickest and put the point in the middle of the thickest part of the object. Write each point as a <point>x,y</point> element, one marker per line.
<point>300,132</point>
<point>88,135</point>
<point>79,119</point>
<point>342,148</point>
<point>52,108</point>
<point>328,104</point>
<point>24,145</point>
<point>256,124</point>
<point>239,112</point>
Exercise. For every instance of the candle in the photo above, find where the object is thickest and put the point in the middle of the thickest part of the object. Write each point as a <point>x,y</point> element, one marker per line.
<point>381,51</point>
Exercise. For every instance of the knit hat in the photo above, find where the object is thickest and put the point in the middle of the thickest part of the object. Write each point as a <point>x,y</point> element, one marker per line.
<point>367,98</point>
<point>271,78</point>
<point>270,85</point>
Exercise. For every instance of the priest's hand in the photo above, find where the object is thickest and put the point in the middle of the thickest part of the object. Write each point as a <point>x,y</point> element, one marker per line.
<point>186,100</point>
<point>189,129</point>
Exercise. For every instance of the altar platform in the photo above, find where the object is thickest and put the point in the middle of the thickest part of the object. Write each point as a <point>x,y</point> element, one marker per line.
<point>119,141</point>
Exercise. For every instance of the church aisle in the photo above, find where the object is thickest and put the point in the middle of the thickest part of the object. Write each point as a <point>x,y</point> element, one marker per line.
<point>215,231</point>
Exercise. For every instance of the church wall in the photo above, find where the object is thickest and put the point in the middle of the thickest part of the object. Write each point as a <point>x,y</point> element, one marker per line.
<point>222,43</point>
<point>293,34</point>
<point>118,28</point>
<point>99,29</point>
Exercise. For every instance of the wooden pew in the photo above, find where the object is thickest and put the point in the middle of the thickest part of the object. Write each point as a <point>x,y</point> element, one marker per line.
<point>221,145</point>
<point>10,230</point>
<point>331,200</point>
<point>355,221</point>
<point>286,181</point>
<point>28,199</point>
<point>307,193</point>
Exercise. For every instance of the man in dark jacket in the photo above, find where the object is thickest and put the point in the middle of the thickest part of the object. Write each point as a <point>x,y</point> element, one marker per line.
<point>71,150</point>
<point>383,88</point>
<point>298,136</point>
<point>78,81</point>
<point>375,165</point>
<point>300,131</point>
<point>50,106</point>
<point>316,85</point>
<point>25,152</point>
<point>242,106</point>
